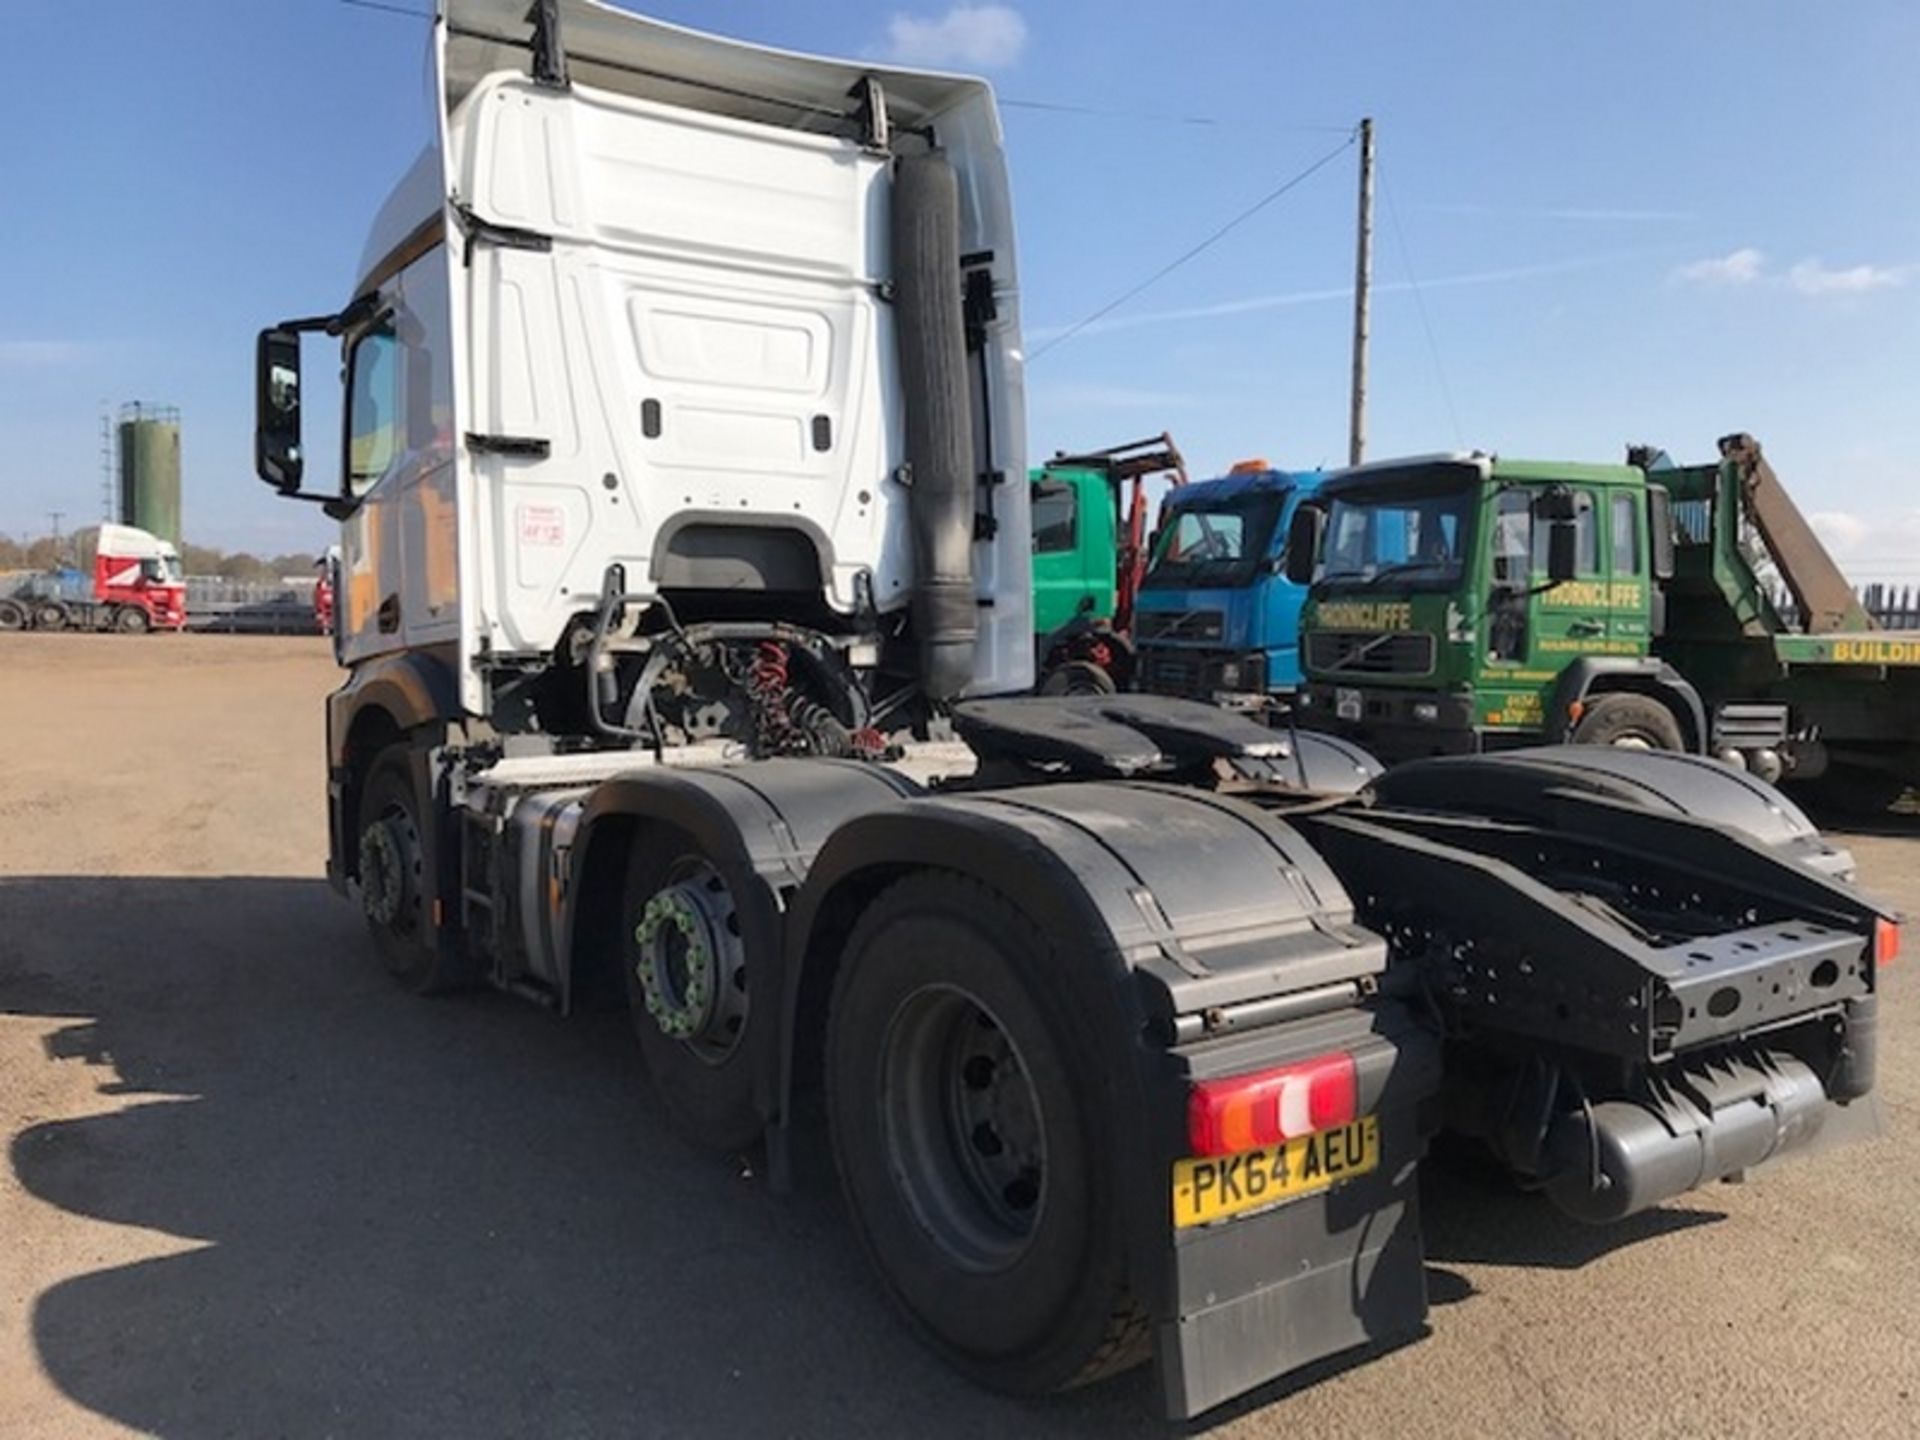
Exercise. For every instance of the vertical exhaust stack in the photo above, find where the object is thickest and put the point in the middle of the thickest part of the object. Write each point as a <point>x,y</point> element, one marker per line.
<point>939,427</point>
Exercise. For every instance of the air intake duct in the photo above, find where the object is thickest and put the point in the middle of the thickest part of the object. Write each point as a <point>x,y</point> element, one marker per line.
<point>939,426</point>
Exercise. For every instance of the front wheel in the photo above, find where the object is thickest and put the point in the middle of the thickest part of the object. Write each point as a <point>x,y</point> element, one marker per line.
<point>396,883</point>
<point>967,1131</point>
<point>1632,722</point>
<point>132,620</point>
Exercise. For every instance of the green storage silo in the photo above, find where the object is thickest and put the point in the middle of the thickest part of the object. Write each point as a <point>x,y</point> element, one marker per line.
<point>150,469</point>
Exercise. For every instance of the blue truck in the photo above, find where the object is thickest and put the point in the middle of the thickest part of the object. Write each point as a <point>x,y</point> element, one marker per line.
<point>1216,613</point>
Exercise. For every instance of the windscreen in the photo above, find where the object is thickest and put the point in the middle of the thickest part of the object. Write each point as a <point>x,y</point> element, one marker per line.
<point>1411,531</point>
<point>1217,543</point>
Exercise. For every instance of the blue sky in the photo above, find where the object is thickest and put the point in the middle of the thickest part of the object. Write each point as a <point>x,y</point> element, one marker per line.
<point>1630,221</point>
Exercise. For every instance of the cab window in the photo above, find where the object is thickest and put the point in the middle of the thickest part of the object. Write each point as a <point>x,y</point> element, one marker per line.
<point>1513,538</point>
<point>1586,538</point>
<point>1055,509</point>
<point>1626,535</point>
<point>374,411</point>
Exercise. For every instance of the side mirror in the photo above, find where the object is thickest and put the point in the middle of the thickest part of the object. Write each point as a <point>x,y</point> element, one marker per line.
<point>1659,532</point>
<point>1556,502</point>
<point>1562,550</point>
<point>276,426</point>
<point>1303,542</point>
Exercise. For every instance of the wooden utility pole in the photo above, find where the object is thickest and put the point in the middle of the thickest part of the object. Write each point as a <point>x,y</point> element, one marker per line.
<point>1362,283</point>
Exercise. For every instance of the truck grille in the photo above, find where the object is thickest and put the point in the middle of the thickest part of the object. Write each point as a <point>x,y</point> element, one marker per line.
<point>1371,652</point>
<point>1174,673</point>
<point>1179,625</point>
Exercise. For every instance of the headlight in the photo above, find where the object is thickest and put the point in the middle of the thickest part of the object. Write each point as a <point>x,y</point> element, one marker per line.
<point>1426,710</point>
<point>1230,675</point>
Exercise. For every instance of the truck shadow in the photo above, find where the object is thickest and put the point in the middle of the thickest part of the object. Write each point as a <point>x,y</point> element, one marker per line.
<point>462,1217</point>
<point>396,1216</point>
<point>1475,1215</point>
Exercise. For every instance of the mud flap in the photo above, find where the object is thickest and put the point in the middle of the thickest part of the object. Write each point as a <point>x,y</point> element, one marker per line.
<point>1255,1298</point>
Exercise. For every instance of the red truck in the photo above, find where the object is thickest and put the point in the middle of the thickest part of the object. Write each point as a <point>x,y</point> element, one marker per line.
<point>137,587</point>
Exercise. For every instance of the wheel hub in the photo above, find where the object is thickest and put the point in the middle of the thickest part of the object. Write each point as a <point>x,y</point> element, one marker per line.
<point>691,964</point>
<point>964,1128</point>
<point>389,859</point>
<point>998,1115</point>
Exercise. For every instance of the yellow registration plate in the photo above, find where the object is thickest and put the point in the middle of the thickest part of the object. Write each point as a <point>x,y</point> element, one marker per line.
<point>1218,1187</point>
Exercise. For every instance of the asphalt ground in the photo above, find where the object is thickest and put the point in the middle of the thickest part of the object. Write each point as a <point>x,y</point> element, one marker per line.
<point>252,1190</point>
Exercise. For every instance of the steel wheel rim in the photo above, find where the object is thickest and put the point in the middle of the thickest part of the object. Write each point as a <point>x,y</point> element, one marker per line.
<point>691,961</point>
<point>391,864</point>
<point>963,1127</point>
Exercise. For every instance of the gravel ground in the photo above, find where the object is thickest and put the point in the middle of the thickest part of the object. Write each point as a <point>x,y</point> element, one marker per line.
<point>253,1191</point>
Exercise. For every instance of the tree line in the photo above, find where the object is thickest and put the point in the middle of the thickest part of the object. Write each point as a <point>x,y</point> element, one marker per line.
<point>47,553</point>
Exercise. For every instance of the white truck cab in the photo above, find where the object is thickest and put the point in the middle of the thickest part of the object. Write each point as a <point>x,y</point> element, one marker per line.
<point>637,317</point>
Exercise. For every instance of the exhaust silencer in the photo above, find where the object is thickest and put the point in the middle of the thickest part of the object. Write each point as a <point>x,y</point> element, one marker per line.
<point>1706,1122</point>
<point>932,341</point>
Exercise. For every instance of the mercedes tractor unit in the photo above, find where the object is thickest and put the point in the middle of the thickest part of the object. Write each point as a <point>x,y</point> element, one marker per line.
<point>683,672</point>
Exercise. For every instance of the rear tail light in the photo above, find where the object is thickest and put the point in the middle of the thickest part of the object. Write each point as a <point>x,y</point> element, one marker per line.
<point>1270,1107</point>
<point>1886,940</point>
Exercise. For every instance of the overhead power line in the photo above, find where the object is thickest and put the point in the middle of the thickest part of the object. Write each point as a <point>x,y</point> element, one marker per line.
<point>1420,304</point>
<point>1104,112</point>
<point>390,9</point>
<point>1207,244</point>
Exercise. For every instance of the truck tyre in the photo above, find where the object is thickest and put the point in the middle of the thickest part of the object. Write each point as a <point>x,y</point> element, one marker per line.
<point>691,992</point>
<point>1636,722</point>
<point>395,886</point>
<point>1077,677</point>
<point>970,1139</point>
<point>51,615</point>
<point>1857,790</point>
<point>132,620</point>
<point>13,615</point>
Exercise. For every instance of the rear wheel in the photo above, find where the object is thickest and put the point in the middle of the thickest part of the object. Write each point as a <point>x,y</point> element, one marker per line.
<point>51,615</point>
<point>1858,790</point>
<point>396,885</point>
<point>689,987</point>
<point>967,1132</point>
<point>132,620</point>
<point>13,615</point>
<point>1632,722</point>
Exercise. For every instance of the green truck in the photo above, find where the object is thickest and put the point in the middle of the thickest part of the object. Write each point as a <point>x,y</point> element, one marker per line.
<point>1468,602</point>
<point>1090,519</point>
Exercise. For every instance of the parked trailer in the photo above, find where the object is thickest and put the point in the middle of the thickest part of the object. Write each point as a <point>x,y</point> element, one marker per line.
<point>1132,1017</point>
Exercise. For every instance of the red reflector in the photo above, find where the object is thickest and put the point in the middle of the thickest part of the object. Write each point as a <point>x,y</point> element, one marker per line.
<point>1886,940</point>
<point>1269,1107</point>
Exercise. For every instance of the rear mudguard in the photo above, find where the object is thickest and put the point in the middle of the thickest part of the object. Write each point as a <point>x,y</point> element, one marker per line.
<point>1205,938</point>
<point>1537,785</point>
<point>760,825</point>
<point>1649,972</point>
<point>1189,918</point>
<point>1610,928</point>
